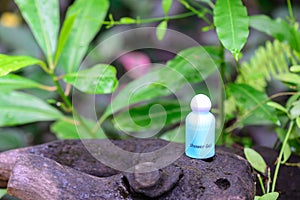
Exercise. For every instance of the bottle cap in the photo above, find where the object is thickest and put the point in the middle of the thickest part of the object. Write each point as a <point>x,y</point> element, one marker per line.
<point>200,103</point>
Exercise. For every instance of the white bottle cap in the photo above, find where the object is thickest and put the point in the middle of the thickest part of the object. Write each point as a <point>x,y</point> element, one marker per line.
<point>200,103</point>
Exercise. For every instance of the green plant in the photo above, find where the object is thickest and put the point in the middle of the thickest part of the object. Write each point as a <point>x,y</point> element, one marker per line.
<point>2,193</point>
<point>246,103</point>
<point>63,50</point>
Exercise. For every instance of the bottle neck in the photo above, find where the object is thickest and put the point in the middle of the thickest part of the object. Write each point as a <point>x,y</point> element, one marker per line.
<point>200,112</point>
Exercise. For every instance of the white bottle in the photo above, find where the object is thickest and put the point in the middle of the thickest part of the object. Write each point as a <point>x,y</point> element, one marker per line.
<point>200,129</point>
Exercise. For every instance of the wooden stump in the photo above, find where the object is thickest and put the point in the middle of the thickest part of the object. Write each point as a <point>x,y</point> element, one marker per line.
<point>66,170</point>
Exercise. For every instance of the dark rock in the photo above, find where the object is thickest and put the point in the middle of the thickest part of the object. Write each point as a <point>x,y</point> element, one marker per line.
<point>168,178</point>
<point>38,178</point>
<point>66,170</point>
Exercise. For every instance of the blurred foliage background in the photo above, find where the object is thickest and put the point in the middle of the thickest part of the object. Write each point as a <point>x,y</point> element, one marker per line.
<point>16,39</point>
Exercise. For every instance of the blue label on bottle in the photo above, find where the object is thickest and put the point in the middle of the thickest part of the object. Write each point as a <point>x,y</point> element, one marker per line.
<point>200,141</point>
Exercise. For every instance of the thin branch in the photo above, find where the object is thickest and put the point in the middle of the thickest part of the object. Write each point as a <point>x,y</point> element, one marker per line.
<point>234,126</point>
<point>281,155</point>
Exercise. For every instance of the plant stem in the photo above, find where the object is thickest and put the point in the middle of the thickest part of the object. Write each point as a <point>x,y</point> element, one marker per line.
<point>280,156</point>
<point>200,14</point>
<point>292,164</point>
<point>99,122</point>
<point>235,124</point>
<point>269,179</point>
<point>44,67</point>
<point>222,94</point>
<point>261,184</point>
<point>83,124</point>
<point>150,20</point>
<point>211,4</point>
<point>291,11</point>
<point>61,93</point>
<point>195,4</point>
<point>48,88</point>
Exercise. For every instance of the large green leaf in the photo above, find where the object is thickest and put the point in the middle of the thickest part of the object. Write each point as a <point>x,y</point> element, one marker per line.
<point>155,115</point>
<point>232,24</point>
<point>278,29</point>
<point>42,17</point>
<point>15,82</point>
<point>255,159</point>
<point>251,105</point>
<point>83,21</point>
<point>100,79</point>
<point>189,66</point>
<point>13,63</point>
<point>20,108</point>
<point>69,129</point>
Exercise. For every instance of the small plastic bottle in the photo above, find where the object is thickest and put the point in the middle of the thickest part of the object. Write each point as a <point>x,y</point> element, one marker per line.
<point>200,129</point>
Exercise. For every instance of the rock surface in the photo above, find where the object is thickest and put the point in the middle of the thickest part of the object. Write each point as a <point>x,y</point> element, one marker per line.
<point>66,170</point>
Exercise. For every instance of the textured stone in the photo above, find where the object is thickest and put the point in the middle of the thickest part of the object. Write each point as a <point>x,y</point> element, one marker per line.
<point>66,170</point>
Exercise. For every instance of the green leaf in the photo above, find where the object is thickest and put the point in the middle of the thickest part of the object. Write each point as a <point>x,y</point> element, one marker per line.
<point>255,160</point>
<point>161,30</point>
<point>214,53</point>
<point>295,68</point>
<point>281,133</point>
<point>11,139</point>
<point>64,36</point>
<point>83,21</point>
<point>68,129</point>
<point>232,24</point>
<point>166,5</point>
<point>13,63</point>
<point>42,17</point>
<point>206,1</point>
<point>127,20</point>
<point>298,122</point>
<point>286,153</point>
<point>268,61</point>
<point>278,29</point>
<point>277,106</point>
<point>20,108</point>
<point>292,100</point>
<point>2,192</point>
<point>268,196</point>
<point>248,99</point>
<point>15,82</point>
<point>289,78</point>
<point>191,65</point>
<point>269,26</point>
<point>100,79</point>
<point>295,110</point>
<point>152,116</point>
<point>175,135</point>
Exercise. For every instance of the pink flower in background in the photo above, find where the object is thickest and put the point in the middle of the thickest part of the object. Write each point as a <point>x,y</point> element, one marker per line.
<point>136,64</point>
